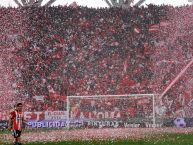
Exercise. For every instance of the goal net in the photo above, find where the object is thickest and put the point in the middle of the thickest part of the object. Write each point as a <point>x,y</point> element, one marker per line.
<point>111,111</point>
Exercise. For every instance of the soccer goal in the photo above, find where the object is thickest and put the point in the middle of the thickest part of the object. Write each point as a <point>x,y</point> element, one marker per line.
<point>111,111</point>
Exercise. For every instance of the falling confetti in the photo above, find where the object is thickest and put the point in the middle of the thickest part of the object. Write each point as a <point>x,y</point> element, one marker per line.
<point>49,53</point>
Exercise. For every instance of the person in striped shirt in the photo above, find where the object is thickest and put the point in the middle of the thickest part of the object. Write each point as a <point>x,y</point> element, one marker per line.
<point>16,121</point>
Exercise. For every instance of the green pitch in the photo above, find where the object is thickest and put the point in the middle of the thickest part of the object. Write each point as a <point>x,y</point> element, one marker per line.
<point>170,139</point>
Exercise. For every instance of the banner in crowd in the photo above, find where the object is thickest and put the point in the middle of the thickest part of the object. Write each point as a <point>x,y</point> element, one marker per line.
<point>55,115</point>
<point>38,116</point>
<point>47,115</point>
<point>96,115</point>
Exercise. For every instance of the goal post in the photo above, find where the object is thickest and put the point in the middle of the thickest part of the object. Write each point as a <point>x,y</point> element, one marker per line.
<point>104,111</point>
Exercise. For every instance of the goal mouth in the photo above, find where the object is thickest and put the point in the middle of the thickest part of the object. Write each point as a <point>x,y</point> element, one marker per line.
<point>111,111</point>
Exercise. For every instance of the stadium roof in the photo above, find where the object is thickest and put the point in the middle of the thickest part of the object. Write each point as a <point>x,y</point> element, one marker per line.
<point>101,3</point>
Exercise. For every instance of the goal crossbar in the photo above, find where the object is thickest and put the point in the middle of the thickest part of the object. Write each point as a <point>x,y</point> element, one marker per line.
<point>125,95</point>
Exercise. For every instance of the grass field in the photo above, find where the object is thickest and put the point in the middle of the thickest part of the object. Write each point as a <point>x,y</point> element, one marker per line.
<point>169,139</point>
<point>119,136</point>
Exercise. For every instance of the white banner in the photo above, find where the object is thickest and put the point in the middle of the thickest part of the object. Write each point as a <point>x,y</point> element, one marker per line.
<point>55,115</point>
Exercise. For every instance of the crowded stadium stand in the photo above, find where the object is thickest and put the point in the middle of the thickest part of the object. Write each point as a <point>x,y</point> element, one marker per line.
<point>50,53</point>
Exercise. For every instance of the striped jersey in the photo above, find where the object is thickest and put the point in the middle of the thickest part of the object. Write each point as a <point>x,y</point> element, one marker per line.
<point>17,118</point>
